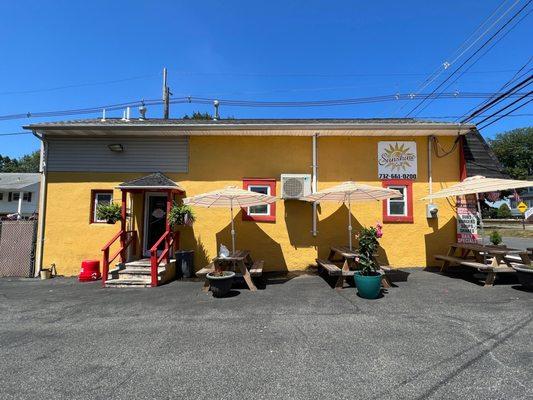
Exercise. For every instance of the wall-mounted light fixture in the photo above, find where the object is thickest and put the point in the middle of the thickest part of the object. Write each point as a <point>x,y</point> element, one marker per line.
<point>116,147</point>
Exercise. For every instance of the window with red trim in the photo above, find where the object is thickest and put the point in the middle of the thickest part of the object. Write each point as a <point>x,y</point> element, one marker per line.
<point>399,209</point>
<point>264,213</point>
<point>99,197</point>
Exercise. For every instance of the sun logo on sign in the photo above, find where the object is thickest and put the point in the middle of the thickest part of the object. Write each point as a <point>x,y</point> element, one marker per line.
<point>397,157</point>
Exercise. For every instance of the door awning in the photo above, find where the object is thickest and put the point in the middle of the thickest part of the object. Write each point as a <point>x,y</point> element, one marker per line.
<point>152,182</point>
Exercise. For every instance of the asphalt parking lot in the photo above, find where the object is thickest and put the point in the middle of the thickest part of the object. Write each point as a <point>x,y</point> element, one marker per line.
<point>432,336</point>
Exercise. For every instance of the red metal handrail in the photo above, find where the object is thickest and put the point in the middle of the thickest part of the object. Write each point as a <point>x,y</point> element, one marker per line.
<point>170,240</point>
<point>124,244</point>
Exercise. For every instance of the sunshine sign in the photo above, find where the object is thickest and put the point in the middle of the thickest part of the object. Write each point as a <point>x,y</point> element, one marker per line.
<point>397,160</point>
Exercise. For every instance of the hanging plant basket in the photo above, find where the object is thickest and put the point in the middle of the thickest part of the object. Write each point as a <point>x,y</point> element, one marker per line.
<point>181,215</point>
<point>111,213</point>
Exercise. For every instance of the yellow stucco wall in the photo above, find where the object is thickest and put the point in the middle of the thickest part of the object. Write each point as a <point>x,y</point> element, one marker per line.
<point>287,244</point>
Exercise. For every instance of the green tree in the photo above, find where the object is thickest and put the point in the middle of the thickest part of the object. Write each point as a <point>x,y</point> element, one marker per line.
<point>504,211</point>
<point>26,163</point>
<point>199,115</point>
<point>514,149</point>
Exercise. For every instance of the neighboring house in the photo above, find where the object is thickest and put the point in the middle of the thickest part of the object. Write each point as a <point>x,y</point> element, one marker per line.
<point>19,194</point>
<point>140,162</point>
<point>526,196</point>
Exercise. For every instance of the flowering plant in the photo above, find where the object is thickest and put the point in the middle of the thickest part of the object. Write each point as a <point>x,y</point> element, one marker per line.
<point>368,245</point>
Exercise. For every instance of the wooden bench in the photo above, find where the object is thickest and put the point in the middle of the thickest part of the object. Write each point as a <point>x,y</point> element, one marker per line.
<point>385,279</point>
<point>472,264</point>
<point>329,267</point>
<point>257,268</point>
<point>334,270</point>
<point>205,270</point>
<point>489,269</point>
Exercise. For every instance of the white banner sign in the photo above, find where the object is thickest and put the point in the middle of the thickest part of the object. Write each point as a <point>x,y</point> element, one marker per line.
<point>528,213</point>
<point>466,220</point>
<point>397,160</point>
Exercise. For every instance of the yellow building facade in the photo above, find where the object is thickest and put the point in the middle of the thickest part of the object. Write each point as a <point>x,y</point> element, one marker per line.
<point>217,159</point>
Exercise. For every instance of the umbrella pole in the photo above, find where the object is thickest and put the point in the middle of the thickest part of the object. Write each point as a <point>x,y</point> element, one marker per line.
<point>232,228</point>
<point>481,227</point>
<point>350,224</point>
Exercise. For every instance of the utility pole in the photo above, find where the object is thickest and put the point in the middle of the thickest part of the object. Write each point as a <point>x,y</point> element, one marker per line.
<point>166,95</point>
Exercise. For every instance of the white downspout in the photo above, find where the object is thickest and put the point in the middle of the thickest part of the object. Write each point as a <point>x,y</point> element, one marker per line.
<point>430,176</point>
<point>19,207</point>
<point>42,205</point>
<point>314,180</point>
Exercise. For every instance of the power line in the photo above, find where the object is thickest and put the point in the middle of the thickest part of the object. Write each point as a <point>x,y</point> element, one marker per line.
<point>471,56</point>
<point>506,114</point>
<point>78,111</point>
<point>518,75</point>
<point>449,64</point>
<point>15,133</point>
<point>422,117</point>
<point>504,108</point>
<point>265,74</point>
<point>522,84</point>
<point>486,30</point>
<point>444,66</point>
<point>323,75</point>
<point>251,103</point>
<point>78,85</point>
<point>477,59</point>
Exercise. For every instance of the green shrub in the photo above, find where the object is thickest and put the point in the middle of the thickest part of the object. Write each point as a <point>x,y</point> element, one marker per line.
<point>181,214</point>
<point>495,238</point>
<point>108,212</point>
<point>504,211</point>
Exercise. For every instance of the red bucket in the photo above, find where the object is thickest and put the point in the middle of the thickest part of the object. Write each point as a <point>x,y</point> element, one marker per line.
<point>90,271</point>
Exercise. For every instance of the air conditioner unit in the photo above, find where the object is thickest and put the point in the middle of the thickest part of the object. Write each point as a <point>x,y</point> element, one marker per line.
<point>294,186</point>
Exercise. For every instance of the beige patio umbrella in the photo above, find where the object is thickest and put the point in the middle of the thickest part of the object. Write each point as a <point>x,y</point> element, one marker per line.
<point>230,197</point>
<point>349,192</point>
<point>479,184</point>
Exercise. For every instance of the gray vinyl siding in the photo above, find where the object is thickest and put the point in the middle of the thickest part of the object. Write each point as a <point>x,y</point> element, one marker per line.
<point>140,154</point>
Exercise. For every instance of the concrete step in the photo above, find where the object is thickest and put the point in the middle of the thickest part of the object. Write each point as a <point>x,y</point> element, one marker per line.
<point>140,271</point>
<point>145,262</point>
<point>122,283</point>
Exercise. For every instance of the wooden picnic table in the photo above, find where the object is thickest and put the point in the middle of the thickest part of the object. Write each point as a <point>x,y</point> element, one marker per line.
<point>475,255</point>
<point>343,255</point>
<point>240,262</point>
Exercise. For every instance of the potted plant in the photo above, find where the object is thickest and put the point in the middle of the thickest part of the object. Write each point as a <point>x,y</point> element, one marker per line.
<point>367,278</point>
<point>110,213</point>
<point>220,281</point>
<point>495,238</point>
<point>181,214</point>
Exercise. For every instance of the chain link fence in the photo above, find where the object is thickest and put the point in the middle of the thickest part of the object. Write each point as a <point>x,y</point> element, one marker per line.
<point>17,248</point>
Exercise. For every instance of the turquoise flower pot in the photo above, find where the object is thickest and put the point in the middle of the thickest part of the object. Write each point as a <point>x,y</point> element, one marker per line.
<point>368,287</point>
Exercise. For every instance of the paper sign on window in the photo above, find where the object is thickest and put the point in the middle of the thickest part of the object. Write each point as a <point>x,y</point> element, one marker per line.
<point>397,160</point>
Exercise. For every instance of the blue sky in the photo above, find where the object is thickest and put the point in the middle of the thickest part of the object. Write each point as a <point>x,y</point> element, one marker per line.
<point>269,50</point>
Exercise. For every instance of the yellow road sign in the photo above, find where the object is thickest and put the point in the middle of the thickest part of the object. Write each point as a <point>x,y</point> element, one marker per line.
<point>522,207</point>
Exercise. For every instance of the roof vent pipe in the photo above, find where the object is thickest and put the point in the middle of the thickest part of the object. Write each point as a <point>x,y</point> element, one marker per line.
<point>126,114</point>
<point>142,112</point>
<point>217,115</point>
